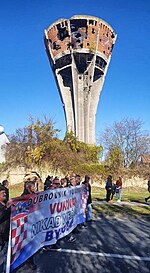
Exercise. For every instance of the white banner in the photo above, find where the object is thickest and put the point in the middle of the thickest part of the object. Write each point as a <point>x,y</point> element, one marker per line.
<point>41,219</point>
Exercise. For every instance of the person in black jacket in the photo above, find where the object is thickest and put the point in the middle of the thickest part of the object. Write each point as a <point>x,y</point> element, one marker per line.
<point>108,187</point>
<point>4,225</point>
<point>89,200</point>
<point>48,182</point>
<point>5,184</point>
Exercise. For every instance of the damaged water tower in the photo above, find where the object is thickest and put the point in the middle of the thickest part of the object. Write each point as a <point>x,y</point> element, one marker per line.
<point>79,50</point>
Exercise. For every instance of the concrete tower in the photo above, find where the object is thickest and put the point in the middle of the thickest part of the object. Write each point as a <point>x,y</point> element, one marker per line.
<point>79,50</point>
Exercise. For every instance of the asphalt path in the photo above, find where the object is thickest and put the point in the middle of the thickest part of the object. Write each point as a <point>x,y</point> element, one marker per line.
<point>108,245</point>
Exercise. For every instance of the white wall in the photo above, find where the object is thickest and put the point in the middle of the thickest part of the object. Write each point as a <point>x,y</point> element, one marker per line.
<point>3,142</point>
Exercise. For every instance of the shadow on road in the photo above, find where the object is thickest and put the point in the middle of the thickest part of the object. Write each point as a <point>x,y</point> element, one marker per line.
<point>108,245</point>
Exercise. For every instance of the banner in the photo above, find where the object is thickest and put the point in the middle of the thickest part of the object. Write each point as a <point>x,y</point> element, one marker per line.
<point>43,218</point>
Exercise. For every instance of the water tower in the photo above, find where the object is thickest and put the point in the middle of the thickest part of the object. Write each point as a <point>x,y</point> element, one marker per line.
<point>79,50</point>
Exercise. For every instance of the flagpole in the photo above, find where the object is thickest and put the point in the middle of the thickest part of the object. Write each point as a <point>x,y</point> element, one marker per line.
<point>9,252</point>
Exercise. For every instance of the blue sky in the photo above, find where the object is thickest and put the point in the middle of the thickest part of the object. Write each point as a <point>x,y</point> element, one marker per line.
<point>27,85</point>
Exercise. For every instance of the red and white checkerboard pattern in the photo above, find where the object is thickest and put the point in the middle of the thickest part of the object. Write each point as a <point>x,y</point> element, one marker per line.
<point>18,235</point>
<point>84,198</point>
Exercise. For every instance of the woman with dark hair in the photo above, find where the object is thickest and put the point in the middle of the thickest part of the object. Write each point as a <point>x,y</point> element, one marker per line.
<point>64,182</point>
<point>108,187</point>
<point>5,184</point>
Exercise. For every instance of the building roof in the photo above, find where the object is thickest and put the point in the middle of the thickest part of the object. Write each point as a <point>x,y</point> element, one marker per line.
<point>145,159</point>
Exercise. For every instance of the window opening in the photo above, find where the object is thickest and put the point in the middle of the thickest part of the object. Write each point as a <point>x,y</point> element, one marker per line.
<point>91,22</point>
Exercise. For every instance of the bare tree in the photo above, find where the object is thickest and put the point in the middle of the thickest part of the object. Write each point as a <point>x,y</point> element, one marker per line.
<point>128,137</point>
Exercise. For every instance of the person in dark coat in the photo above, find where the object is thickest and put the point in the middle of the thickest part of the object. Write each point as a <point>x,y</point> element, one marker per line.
<point>108,188</point>
<point>89,200</point>
<point>5,184</point>
<point>4,225</point>
<point>113,190</point>
<point>48,182</point>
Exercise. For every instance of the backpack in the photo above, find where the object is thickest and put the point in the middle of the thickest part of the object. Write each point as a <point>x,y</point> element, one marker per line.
<point>108,185</point>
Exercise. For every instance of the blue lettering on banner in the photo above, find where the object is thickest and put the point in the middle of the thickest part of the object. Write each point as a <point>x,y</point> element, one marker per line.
<point>57,232</point>
<point>65,220</point>
<point>49,235</point>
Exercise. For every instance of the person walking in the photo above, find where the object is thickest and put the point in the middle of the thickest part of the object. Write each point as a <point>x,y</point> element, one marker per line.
<point>146,199</point>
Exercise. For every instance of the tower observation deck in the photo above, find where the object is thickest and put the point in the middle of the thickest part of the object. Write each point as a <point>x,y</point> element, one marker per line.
<point>79,50</point>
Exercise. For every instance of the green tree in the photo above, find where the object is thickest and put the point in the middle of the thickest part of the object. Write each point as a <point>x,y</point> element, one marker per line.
<point>38,144</point>
<point>30,144</point>
<point>114,160</point>
<point>72,141</point>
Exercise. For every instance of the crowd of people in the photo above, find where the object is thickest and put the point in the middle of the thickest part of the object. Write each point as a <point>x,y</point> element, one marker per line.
<point>73,181</point>
<point>31,187</point>
<point>53,183</point>
<point>113,188</point>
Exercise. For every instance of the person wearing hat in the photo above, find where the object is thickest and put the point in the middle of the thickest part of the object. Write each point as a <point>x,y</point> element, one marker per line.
<point>48,182</point>
<point>4,225</point>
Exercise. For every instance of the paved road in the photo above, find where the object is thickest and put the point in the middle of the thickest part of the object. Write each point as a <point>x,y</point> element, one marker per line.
<point>108,245</point>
